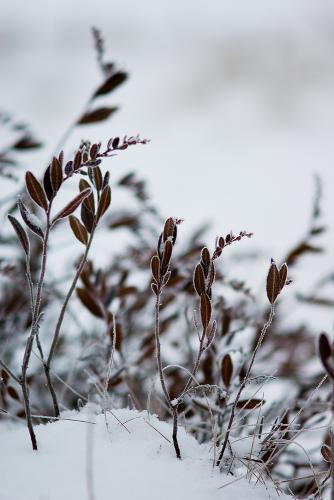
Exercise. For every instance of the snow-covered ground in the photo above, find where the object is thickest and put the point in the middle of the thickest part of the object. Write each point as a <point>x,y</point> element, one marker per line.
<point>133,461</point>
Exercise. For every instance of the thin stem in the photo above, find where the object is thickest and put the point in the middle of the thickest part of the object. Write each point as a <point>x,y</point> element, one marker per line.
<point>9,372</point>
<point>171,407</point>
<point>34,330</point>
<point>158,349</point>
<point>196,366</point>
<point>47,365</point>
<point>244,382</point>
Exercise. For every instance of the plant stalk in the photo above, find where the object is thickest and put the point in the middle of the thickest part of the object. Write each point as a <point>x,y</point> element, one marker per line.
<point>47,364</point>
<point>34,331</point>
<point>171,407</point>
<point>244,382</point>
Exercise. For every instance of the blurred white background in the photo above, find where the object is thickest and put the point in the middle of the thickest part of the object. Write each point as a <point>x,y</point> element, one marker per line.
<point>236,97</point>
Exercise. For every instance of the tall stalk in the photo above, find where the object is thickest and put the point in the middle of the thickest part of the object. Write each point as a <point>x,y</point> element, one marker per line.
<point>276,281</point>
<point>161,274</point>
<point>33,332</point>
<point>244,383</point>
<point>47,364</point>
<point>171,406</point>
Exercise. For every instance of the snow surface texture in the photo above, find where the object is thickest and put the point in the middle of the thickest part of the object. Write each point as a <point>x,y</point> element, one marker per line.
<point>78,461</point>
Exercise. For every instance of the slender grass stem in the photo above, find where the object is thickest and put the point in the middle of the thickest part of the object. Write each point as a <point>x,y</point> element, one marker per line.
<point>244,382</point>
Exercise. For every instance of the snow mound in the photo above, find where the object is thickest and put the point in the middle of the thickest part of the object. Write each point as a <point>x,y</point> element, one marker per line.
<point>134,461</point>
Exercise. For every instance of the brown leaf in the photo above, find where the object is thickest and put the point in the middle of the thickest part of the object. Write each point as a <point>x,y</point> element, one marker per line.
<point>273,283</point>
<point>13,393</point>
<point>221,242</point>
<point>21,233</point>
<point>250,404</point>
<point>199,280</point>
<point>106,179</point>
<point>205,257</point>
<point>97,115</point>
<point>87,217</point>
<point>283,274</point>
<point>166,278</point>
<point>72,205</point>
<point>56,174</point>
<point>36,191</point>
<point>27,143</point>
<point>301,249</point>
<point>27,217</point>
<point>47,183</point>
<point>326,352</point>
<point>95,176</point>
<point>167,254</point>
<point>78,229</point>
<point>77,160</point>
<point>111,83</point>
<point>155,267</point>
<point>227,370</point>
<point>169,228</point>
<point>90,302</point>
<point>104,202</point>
<point>326,453</point>
<point>4,377</point>
<point>212,274</point>
<point>205,310</point>
<point>89,201</point>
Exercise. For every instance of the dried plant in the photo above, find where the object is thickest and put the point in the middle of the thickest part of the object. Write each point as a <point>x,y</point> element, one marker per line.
<point>210,382</point>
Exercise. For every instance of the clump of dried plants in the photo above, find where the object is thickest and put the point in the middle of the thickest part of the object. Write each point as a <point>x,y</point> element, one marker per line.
<point>202,352</point>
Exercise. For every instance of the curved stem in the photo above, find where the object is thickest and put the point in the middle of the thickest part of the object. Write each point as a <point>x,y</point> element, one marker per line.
<point>158,349</point>
<point>244,382</point>
<point>172,408</point>
<point>67,298</point>
<point>56,335</point>
<point>34,330</point>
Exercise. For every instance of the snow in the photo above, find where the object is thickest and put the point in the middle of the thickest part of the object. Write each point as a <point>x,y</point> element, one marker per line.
<point>79,460</point>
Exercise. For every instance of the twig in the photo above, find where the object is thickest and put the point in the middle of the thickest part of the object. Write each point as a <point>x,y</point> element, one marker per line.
<point>244,382</point>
